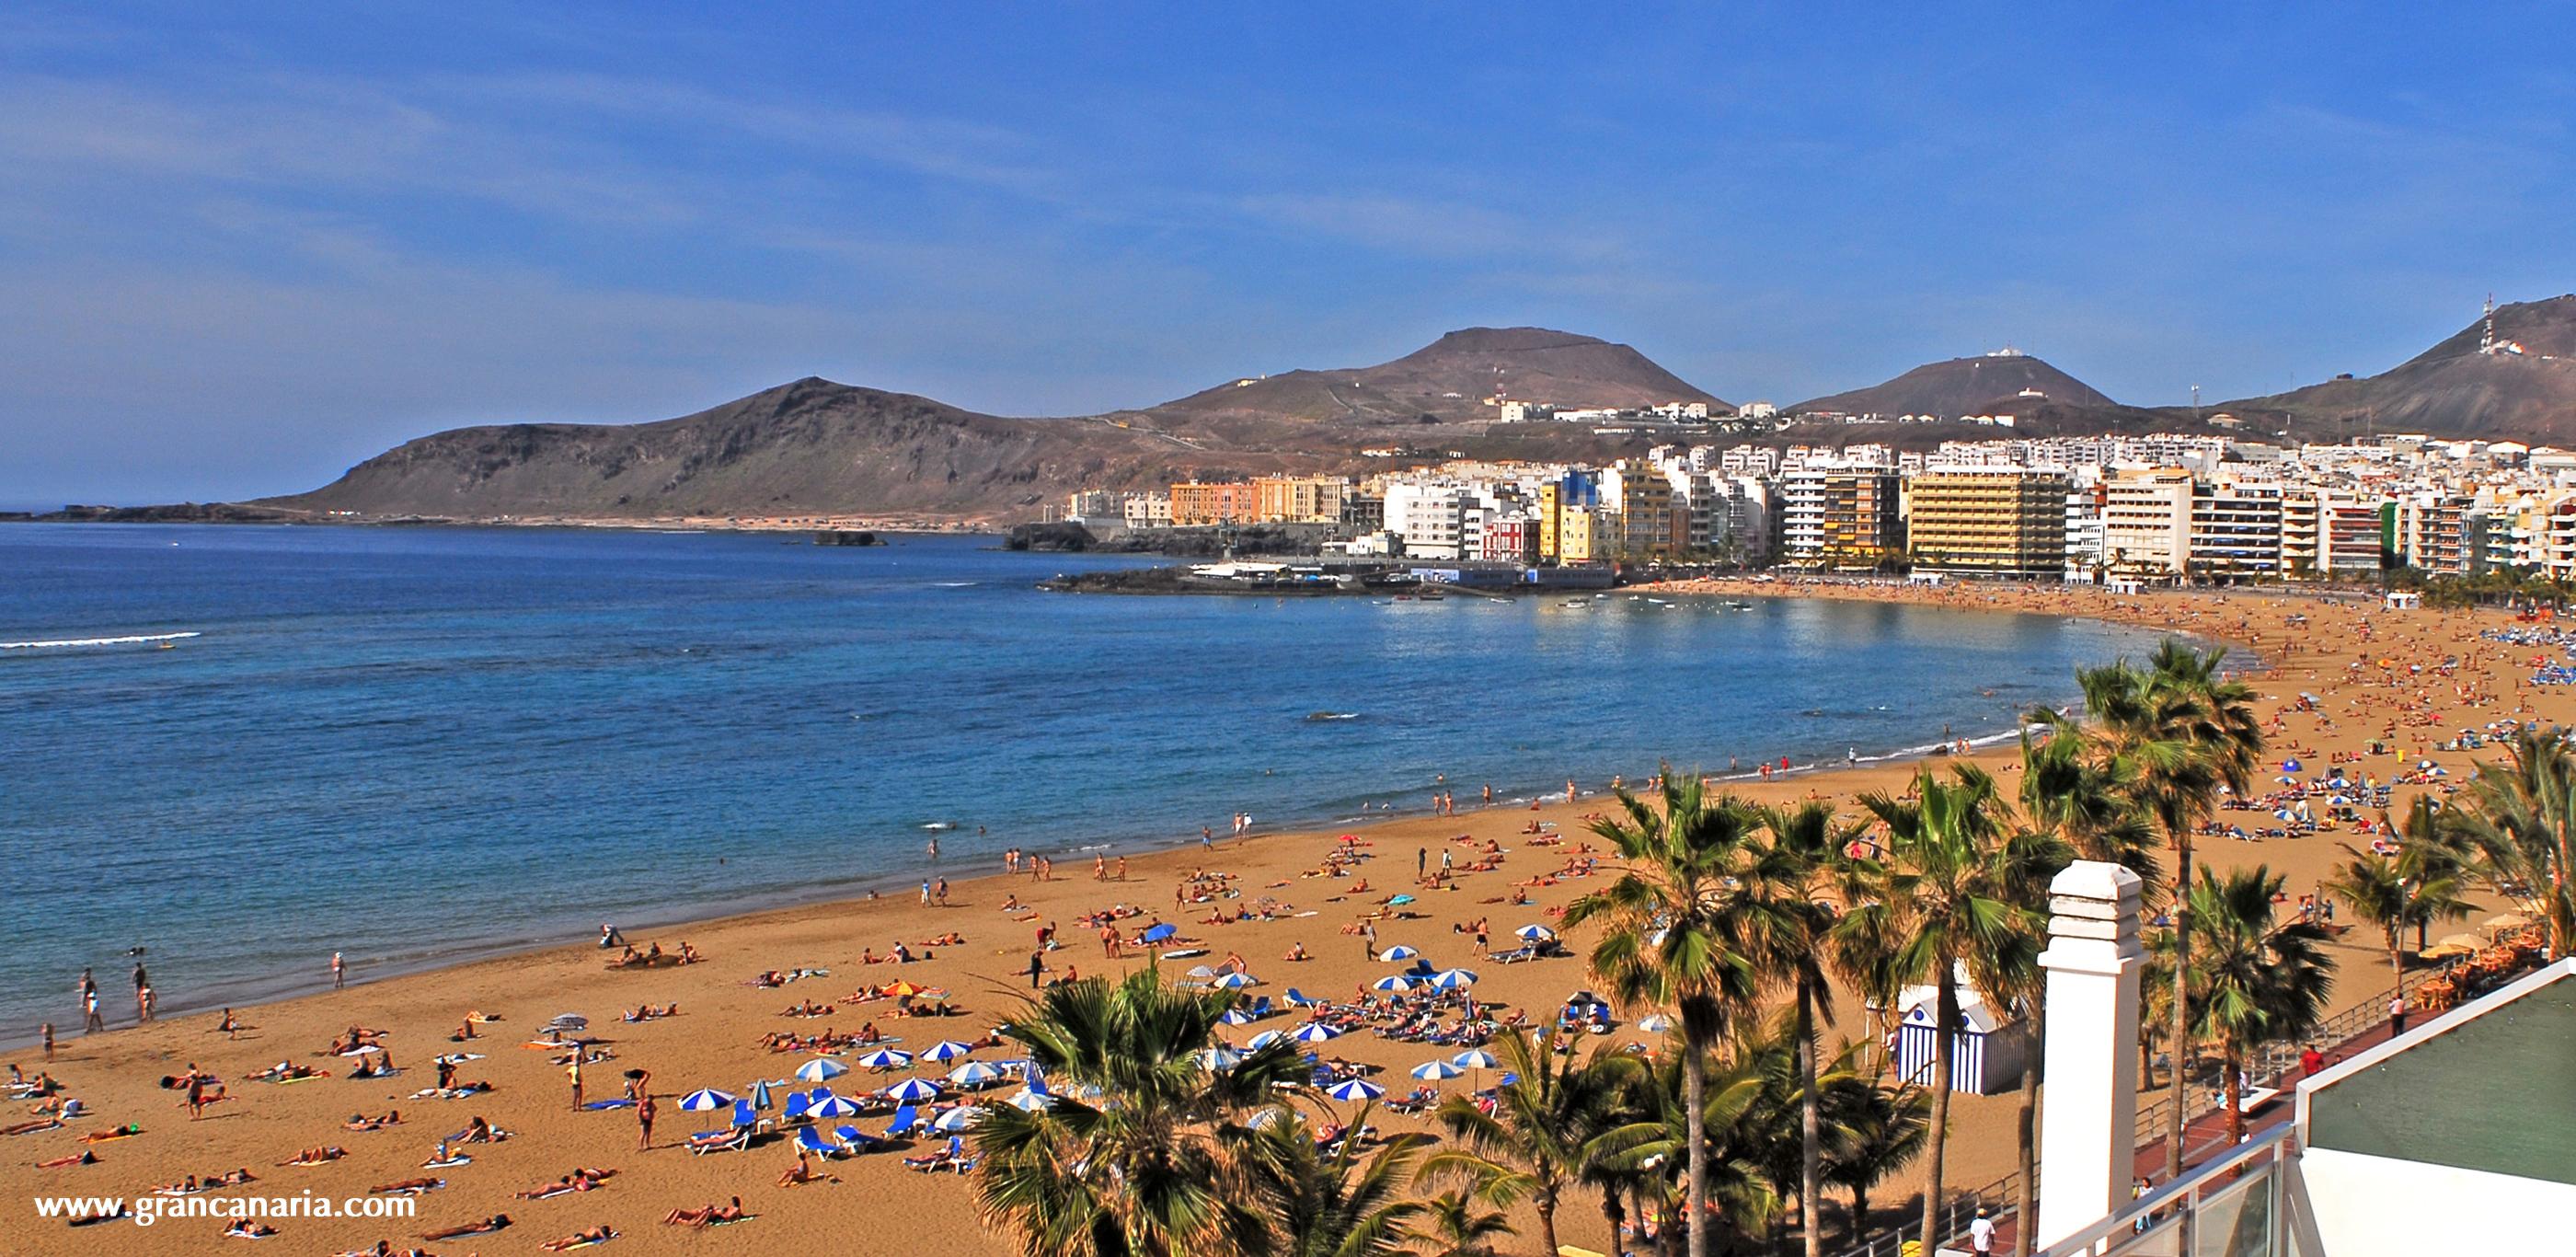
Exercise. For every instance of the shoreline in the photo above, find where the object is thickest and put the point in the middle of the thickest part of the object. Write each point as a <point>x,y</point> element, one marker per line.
<point>676,917</point>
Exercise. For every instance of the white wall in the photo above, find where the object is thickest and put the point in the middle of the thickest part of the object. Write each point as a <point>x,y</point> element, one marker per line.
<point>2355,1205</point>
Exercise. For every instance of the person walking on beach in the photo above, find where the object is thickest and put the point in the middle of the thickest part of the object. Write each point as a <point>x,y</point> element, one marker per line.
<point>1368,939</point>
<point>1037,969</point>
<point>90,1020</point>
<point>48,1031</point>
<point>1122,868</point>
<point>1421,863</point>
<point>2396,1016</point>
<point>140,981</point>
<point>574,1070</point>
<point>339,972</point>
<point>943,892</point>
<point>644,1121</point>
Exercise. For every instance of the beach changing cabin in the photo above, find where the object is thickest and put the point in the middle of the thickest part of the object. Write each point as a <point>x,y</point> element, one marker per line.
<point>1985,1051</point>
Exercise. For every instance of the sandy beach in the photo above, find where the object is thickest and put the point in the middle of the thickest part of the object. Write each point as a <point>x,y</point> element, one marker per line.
<point>2361,663</point>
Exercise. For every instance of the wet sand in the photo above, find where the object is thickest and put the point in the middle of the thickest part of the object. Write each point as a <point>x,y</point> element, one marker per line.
<point>877,1205</point>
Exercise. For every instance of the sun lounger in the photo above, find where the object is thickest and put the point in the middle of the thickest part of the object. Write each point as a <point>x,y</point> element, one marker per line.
<point>856,1141</point>
<point>905,1120</point>
<point>1299,999</point>
<point>809,1139</point>
<point>730,1139</point>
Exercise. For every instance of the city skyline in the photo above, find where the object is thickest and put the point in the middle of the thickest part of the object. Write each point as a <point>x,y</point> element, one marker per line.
<point>244,256</point>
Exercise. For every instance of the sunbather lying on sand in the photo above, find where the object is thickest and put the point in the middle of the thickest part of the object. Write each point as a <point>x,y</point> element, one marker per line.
<point>360,1121</point>
<point>600,1234</point>
<point>485,1227</point>
<point>318,1156</point>
<point>407,1187</point>
<point>709,1216</point>
<point>85,1158</point>
<point>245,1229</point>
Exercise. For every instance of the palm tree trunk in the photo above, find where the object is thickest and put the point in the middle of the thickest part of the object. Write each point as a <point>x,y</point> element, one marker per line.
<point>1695,1200</point>
<point>2230,1076</point>
<point>1860,1212</point>
<point>1810,1139</point>
<point>2178,1038</point>
<point>2025,1190</point>
<point>1610,1210</point>
<point>1547,1223</point>
<point>1945,1013</point>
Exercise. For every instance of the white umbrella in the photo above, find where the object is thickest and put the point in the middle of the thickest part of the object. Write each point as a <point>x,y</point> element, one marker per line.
<point>832,1106</point>
<point>1452,980</point>
<point>1534,933</point>
<point>1355,1089</point>
<point>958,1119</point>
<point>1392,982</point>
<point>705,1099</point>
<point>1236,1017</point>
<point>821,1069</point>
<point>1237,981</point>
<point>1434,1071</point>
<point>1265,1117</point>
<point>1028,1101</point>
<point>1398,952</point>
<point>1474,1058</point>
<point>1655,1023</point>
<point>886,1058</point>
<point>1314,1032</point>
<point>1265,1039</point>
<point>946,1050</point>
<point>975,1074</point>
<point>913,1091</point>
<point>1220,1058</point>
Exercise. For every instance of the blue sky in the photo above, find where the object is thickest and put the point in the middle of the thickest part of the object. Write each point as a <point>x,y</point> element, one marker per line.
<point>242,247</point>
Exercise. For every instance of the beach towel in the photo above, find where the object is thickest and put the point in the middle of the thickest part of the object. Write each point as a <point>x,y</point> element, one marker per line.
<point>597,1105</point>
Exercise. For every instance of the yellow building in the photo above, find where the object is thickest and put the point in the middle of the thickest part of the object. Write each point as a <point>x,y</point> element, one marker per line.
<point>1989,521</point>
<point>1587,534</point>
<point>1197,505</point>
<point>1300,499</point>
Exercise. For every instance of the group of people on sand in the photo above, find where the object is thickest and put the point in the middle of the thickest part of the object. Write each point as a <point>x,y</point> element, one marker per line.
<point>654,955</point>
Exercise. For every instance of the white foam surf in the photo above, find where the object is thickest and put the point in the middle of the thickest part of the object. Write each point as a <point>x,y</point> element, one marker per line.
<point>132,640</point>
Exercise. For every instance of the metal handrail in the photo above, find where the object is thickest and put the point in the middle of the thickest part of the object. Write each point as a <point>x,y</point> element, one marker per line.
<point>2263,1144</point>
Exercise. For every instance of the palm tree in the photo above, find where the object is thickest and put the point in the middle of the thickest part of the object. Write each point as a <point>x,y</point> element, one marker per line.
<point>1459,1228</point>
<point>2174,733</point>
<point>1949,888</point>
<point>2523,816</point>
<point>1333,1204</point>
<point>1676,937</point>
<point>1793,921</point>
<point>2420,885</point>
<point>1742,1117</point>
<point>1537,1142</point>
<point>2254,980</point>
<point>1877,1131</point>
<point>1139,1154</point>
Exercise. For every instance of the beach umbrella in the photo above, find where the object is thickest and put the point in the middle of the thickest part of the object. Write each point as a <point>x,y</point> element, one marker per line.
<point>1452,980</point>
<point>946,1050</point>
<point>1202,971</point>
<point>1398,952</point>
<point>1235,1017</point>
<point>900,987</point>
<point>1265,1039</point>
<point>832,1106</point>
<point>1535,933</point>
<point>1028,1101</point>
<point>2506,921</point>
<point>1655,1023</point>
<point>975,1074</point>
<point>913,1091</point>
<point>821,1069</point>
<point>1314,1032</point>
<point>1220,1058</point>
<point>957,1119</point>
<point>705,1100</point>
<point>2444,951</point>
<point>1265,1117</point>
<point>1434,1071</point>
<point>2291,766</point>
<point>1355,1089</point>
<point>760,1095</point>
<point>1474,1058</point>
<point>1392,982</point>
<point>1160,932</point>
<point>885,1058</point>
<point>1237,981</point>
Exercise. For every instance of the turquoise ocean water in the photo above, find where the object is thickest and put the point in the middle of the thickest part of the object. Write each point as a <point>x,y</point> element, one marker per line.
<point>413,745</point>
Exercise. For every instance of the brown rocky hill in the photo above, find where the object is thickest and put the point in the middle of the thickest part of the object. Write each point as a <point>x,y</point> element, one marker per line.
<point>2526,391</point>
<point>1961,386</point>
<point>1448,381</point>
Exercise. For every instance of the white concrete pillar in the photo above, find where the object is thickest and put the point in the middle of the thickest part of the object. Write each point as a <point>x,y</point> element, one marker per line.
<point>2088,1125</point>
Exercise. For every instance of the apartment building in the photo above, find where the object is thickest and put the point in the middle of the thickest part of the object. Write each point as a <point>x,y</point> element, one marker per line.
<point>1195,504</point>
<point>1299,499</point>
<point>1148,510</point>
<point>2435,534</point>
<point>1988,521</point>
<point>2235,531</point>
<point>1839,518</point>
<point>2146,522</point>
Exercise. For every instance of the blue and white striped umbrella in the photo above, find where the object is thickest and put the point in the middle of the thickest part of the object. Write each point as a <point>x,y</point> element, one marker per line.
<point>913,1091</point>
<point>1220,1058</point>
<point>1398,952</point>
<point>1655,1023</point>
<point>1265,1117</point>
<point>886,1058</point>
<point>1452,980</point>
<point>1314,1032</point>
<point>1265,1039</point>
<point>760,1095</point>
<point>1434,1071</point>
<point>1534,933</point>
<point>1028,1101</point>
<point>1237,981</point>
<point>832,1106</point>
<point>1474,1058</point>
<point>706,1099</point>
<point>1392,982</point>
<point>975,1074</point>
<point>946,1050</point>
<point>957,1119</point>
<point>821,1069</point>
<point>1236,1017</point>
<point>1355,1089</point>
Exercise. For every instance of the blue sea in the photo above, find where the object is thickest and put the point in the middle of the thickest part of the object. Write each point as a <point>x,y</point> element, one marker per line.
<point>414,745</point>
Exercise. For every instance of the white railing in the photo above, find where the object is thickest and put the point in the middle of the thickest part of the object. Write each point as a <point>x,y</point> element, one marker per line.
<point>2236,1198</point>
